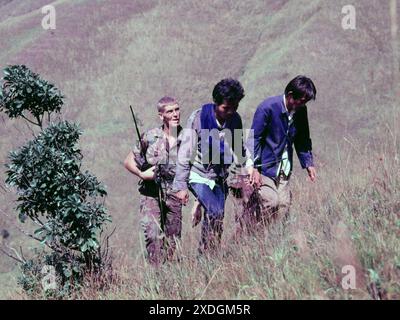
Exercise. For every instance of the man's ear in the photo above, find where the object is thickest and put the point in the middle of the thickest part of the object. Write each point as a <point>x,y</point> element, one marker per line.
<point>160,114</point>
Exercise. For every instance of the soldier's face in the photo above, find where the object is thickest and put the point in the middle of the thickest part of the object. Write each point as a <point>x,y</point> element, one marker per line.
<point>171,116</point>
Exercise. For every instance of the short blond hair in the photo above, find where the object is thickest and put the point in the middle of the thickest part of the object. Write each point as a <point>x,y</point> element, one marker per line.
<point>165,101</point>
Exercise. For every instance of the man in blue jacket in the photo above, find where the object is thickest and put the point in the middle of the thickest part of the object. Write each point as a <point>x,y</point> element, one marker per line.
<point>210,143</point>
<point>279,123</point>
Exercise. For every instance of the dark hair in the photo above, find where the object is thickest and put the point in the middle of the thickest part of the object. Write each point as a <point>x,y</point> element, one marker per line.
<point>228,90</point>
<point>301,86</point>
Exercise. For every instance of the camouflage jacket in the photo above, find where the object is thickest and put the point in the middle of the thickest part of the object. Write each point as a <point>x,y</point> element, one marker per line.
<point>160,154</point>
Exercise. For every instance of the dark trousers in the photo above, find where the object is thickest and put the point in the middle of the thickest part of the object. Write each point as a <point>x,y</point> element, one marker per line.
<point>213,202</point>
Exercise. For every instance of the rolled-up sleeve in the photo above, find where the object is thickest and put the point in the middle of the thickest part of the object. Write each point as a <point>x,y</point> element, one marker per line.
<point>139,149</point>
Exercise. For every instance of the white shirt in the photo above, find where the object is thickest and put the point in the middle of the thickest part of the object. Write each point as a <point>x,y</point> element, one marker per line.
<point>285,163</point>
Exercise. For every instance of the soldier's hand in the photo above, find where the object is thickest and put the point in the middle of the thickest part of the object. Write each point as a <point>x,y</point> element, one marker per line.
<point>183,196</point>
<point>148,175</point>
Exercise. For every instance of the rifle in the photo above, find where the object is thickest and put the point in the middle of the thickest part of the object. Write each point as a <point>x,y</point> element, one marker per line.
<point>144,165</point>
<point>142,161</point>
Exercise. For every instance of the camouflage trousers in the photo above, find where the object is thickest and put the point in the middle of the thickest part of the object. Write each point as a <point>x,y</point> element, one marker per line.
<point>160,246</point>
<point>258,208</point>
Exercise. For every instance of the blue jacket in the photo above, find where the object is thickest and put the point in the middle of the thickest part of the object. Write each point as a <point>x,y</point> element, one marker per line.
<point>270,135</point>
<point>193,148</point>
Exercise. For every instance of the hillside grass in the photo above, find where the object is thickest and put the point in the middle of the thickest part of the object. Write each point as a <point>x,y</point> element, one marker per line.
<point>350,216</point>
<point>106,55</point>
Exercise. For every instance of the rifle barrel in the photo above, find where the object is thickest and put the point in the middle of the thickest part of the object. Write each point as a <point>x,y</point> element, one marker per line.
<point>138,133</point>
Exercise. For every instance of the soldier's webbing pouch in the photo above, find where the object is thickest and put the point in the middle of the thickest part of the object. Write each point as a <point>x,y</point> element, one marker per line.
<point>148,188</point>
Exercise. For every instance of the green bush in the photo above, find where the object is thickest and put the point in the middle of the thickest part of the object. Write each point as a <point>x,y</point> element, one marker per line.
<point>24,91</point>
<point>53,192</point>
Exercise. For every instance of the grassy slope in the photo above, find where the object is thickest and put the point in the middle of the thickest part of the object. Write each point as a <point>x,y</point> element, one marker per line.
<point>106,55</point>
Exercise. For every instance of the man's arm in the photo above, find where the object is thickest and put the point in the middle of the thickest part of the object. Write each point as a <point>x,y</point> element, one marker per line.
<point>130,164</point>
<point>188,141</point>
<point>245,158</point>
<point>303,144</point>
<point>259,130</point>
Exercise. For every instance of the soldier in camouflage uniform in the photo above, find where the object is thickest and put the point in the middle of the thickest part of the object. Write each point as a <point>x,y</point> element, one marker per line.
<point>161,148</point>
<point>205,155</point>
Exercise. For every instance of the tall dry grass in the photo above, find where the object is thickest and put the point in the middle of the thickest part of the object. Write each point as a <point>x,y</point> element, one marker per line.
<point>182,48</point>
<point>350,216</point>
